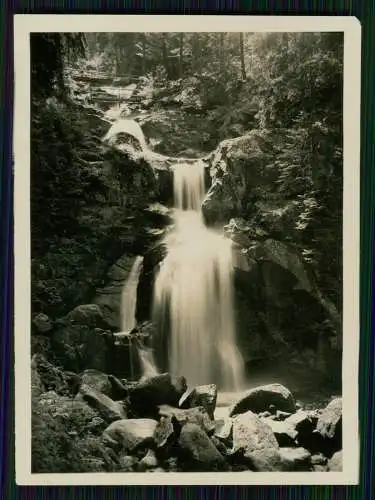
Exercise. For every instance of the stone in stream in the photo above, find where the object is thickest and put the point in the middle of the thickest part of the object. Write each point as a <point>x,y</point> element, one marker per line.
<point>149,393</point>
<point>198,452</point>
<point>131,434</point>
<point>108,409</point>
<point>202,395</point>
<point>261,398</point>
<point>335,463</point>
<point>329,426</point>
<point>255,443</point>
<point>197,416</point>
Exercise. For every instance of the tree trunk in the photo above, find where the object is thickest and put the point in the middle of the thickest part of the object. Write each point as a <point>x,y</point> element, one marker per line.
<point>242,55</point>
<point>181,59</point>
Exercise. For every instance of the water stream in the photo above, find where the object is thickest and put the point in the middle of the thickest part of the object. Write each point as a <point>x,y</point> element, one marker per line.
<point>193,291</point>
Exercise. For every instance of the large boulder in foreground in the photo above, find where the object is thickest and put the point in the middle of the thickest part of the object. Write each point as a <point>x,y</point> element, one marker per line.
<point>255,443</point>
<point>329,426</point>
<point>198,452</point>
<point>261,398</point>
<point>203,395</point>
<point>149,393</point>
<point>131,434</point>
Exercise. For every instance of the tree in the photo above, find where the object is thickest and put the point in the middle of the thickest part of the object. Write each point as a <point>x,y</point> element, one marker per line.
<point>242,56</point>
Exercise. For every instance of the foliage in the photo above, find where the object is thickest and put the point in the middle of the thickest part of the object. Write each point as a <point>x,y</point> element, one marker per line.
<point>61,437</point>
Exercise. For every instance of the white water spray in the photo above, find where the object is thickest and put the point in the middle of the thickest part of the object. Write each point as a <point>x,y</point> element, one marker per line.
<point>194,290</point>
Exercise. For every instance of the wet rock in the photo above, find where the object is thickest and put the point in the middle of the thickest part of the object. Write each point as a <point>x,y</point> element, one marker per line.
<point>98,381</point>
<point>284,433</point>
<point>329,424</point>
<point>198,453</point>
<point>295,459</point>
<point>148,394</point>
<point>131,434</point>
<point>164,433</point>
<point>149,461</point>
<point>335,463</point>
<point>197,416</point>
<point>254,441</point>
<point>203,395</point>
<point>260,398</point>
<point>108,409</point>
<point>42,323</point>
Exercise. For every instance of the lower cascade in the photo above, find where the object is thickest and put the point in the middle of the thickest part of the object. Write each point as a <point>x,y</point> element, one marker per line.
<point>193,292</point>
<point>129,297</point>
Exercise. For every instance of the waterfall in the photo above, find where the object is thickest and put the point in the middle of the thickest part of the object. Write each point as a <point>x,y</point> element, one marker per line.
<point>193,291</point>
<point>129,127</point>
<point>129,297</point>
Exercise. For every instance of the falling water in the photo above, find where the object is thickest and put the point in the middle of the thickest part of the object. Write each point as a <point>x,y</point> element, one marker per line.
<point>194,290</point>
<point>129,297</point>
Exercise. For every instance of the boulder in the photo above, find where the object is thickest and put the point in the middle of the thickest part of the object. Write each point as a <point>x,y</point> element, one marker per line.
<point>329,426</point>
<point>118,390</point>
<point>255,443</point>
<point>85,314</point>
<point>164,433</point>
<point>295,459</point>
<point>127,463</point>
<point>197,416</point>
<point>224,430</point>
<point>98,381</point>
<point>131,434</point>
<point>284,433</point>
<point>260,398</point>
<point>198,453</point>
<point>304,423</point>
<point>318,459</point>
<point>79,347</point>
<point>149,461</point>
<point>42,323</point>
<point>203,395</point>
<point>108,409</point>
<point>335,462</point>
<point>149,393</point>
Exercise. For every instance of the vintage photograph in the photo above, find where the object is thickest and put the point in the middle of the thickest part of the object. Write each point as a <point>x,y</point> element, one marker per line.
<point>186,246</point>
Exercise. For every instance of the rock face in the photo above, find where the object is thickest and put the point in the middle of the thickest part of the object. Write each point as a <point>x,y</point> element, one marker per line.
<point>132,433</point>
<point>198,453</point>
<point>148,394</point>
<point>260,398</point>
<point>203,395</point>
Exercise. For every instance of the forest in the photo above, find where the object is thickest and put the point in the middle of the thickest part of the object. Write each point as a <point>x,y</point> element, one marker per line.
<point>113,116</point>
